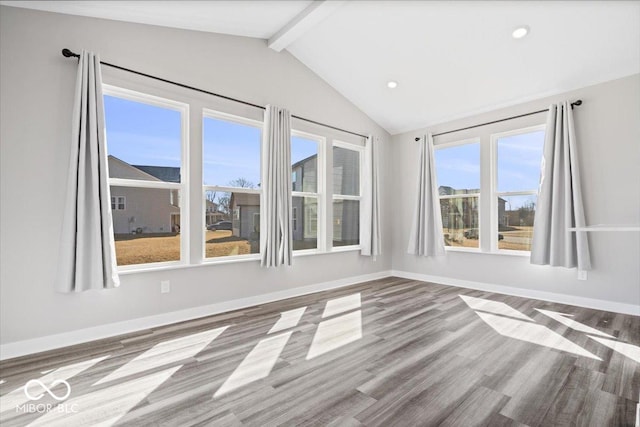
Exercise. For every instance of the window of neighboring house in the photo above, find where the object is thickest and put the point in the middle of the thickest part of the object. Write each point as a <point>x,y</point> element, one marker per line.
<point>231,174</point>
<point>347,167</point>
<point>458,174</point>
<point>146,145</point>
<point>117,203</point>
<point>307,168</point>
<point>294,218</point>
<point>518,156</point>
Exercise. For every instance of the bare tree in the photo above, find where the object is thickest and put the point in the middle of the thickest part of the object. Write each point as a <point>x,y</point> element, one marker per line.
<point>242,183</point>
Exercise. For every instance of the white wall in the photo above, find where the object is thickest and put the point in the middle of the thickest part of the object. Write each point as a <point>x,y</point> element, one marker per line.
<point>37,86</point>
<point>608,131</point>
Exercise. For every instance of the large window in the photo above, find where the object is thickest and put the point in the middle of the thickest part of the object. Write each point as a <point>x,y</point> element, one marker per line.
<point>458,172</point>
<point>146,144</point>
<point>518,158</point>
<point>156,225</point>
<point>503,220</point>
<point>347,168</point>
<point>231,174</point>
<point>306,173</point>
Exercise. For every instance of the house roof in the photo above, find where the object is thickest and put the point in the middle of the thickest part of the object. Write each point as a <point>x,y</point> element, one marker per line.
<point>163,173</point>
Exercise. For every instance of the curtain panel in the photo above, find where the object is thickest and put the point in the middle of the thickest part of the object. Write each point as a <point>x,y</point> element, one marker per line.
<point>560,198</point>
<point>276,235</point>
<point>426,238</point>
<point>87,250</point>
<point>370,238</point>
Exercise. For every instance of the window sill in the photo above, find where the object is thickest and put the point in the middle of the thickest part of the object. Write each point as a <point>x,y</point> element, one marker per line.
<point>463,249</point>
<point>345,248</point>
<point>208,262</point>
<point>522,254</point>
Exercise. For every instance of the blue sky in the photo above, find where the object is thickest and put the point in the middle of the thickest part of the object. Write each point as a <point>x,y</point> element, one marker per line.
<point>143,134</point>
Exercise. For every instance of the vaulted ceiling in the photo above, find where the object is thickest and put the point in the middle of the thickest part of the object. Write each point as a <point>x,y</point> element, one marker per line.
<point>450,58</point>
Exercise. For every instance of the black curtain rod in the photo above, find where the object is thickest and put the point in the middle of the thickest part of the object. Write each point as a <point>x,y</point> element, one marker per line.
<point>576,103</point>
<point>69,54</point>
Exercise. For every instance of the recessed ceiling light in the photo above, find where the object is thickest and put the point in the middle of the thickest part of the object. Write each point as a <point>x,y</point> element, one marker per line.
<point>520,32</point>
<point>391,84</point>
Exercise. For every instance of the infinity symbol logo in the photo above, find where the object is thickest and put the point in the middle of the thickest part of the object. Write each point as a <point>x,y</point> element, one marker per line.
<point>47,389</point>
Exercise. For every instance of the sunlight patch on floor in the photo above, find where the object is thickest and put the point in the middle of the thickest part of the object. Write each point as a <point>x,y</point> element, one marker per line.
<point>165,353</point>
<point>495,307</point>
<point>562,318</point>
<point>104,407</point>
<point>257,364</point>
<point>341,305</point>
<point>288,319</point>
<point>335,333</point>
<point>629,350</point>
<point>18,397</point>
<point>533,333</point>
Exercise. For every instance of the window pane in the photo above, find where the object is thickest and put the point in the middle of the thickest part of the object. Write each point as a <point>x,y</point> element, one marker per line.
<point>515,222</point>
<point>346,172</point>
<point>458,169</point>
<point>519,159</point>
<point>233,224</point>
<point>304,164</point>
<point>346,222</point>
<point>144,139</point>
<point>231,154</point>
<point>305,223</point>
<point>460,222</point>
<point>147,228</point>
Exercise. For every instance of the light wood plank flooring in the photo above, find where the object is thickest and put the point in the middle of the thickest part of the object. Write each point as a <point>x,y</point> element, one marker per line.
<point>391,352</point>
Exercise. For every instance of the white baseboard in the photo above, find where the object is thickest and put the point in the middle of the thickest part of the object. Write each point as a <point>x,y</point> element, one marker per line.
<point>51,342</point>
<point>616,307</point>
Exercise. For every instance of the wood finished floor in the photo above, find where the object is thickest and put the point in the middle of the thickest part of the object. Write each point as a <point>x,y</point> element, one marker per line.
<point>391,352</point>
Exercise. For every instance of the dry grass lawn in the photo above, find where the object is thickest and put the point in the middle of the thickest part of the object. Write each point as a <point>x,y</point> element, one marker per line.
<point>147,248</point>
<point>517,240</point>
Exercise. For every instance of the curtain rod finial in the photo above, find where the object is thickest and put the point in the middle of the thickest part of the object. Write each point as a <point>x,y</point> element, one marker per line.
<point>68,54</point>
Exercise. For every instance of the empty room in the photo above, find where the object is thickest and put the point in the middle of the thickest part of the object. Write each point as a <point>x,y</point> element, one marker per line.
<point>320,213</point>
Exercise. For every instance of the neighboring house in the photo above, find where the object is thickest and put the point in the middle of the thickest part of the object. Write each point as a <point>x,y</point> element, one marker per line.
<point>212,213</point>
<point>305,211</point>
<point>460,213</point>
<point>145,210</point>
<point>346,181</point>
<point>246,215</point>
<point>346,213</point>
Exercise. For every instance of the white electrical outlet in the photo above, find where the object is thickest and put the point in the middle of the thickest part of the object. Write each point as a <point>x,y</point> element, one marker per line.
<point>165,287</point>
<point>582,275</point>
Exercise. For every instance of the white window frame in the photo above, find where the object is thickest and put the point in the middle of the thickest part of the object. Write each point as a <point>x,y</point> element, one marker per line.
<point>319,195</point>
<point>182,186</point>
<point>360,150</point>
<point>218,115</point>
<point>458,143</point>
<point>493,230</point>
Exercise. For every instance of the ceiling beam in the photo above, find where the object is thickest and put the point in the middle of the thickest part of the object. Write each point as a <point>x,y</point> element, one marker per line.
<point>303,22</point>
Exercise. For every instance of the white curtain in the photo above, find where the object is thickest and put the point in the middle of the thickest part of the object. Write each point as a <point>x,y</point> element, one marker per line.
<point>275,223</point>
<point>370,217</point>
<point>426,238</point>
<point>87,252</point>
<point>559,198</point>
